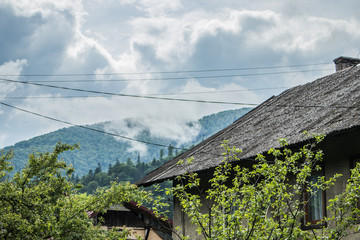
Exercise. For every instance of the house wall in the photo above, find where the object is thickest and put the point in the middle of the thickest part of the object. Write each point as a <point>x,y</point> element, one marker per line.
<point>182,220</point>
<point>121,218</point>
<point>141,232</point>
<point>338,151</point>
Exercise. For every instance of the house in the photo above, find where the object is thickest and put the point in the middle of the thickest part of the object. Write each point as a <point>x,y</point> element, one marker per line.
<point>138,219</point>
<point>329,105</point>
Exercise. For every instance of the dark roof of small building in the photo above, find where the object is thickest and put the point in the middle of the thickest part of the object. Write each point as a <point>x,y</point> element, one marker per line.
<point>162,226</point>
<point>327,105</point>
<point>134,206</point>
<point>346,59</point>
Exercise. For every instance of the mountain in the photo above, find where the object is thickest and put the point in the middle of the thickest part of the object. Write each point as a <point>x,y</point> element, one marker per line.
<point>98,148</point>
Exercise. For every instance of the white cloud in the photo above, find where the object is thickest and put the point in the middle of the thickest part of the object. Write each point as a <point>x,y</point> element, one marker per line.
<point>2,138</point>
<point>175,39</point>
<point>156,7</point>
<point>46,8</point>
<point>75,110</point>
<point>11,68</point>
<point>98,36</point>
<point>170,128</point>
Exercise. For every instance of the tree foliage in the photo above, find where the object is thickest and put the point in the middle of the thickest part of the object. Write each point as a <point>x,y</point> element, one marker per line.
<point>120,171</point>
<point>261,201</point>
<point>128,171</point>
<point>40,202</point>
<point>265,201</point>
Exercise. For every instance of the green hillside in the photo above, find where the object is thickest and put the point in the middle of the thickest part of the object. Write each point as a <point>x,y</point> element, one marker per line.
<point>97,148</point>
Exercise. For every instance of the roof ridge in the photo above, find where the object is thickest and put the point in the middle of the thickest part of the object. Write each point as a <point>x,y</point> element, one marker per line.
<point>280,116</point>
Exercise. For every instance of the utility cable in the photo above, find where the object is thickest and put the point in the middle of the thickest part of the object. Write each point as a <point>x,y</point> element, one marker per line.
<point>127,95</point>
<point>163,72</point>
<point>152,143</point>
<point>151,94</point>
<point>85,127</point>
<point>177,78</point>
<point>177,99</point>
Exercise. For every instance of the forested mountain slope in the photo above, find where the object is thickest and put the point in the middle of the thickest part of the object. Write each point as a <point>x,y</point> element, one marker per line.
<point>98,148</point>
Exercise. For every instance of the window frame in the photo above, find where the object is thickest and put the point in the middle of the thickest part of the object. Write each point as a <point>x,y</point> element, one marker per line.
<point>311,224</point>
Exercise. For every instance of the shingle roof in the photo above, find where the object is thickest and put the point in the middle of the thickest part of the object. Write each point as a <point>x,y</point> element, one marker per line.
<point>326,105</point>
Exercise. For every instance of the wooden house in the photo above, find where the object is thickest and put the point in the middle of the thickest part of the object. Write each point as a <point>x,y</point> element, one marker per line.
<point>329,105</point>
<point>138,219</point>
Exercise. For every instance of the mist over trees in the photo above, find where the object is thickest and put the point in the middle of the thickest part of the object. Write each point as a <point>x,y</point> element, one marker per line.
<point>97,148</point>
<point>129,170</point>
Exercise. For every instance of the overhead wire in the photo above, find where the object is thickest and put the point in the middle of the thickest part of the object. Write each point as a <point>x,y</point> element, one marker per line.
<point>176,78</point>
<point>154,96</point>
<point>165,72</point>
<point>128,95</point>
<point>36,83</point>
<point>150,94</point>
<point>152,143</point>
<point>85,127</point>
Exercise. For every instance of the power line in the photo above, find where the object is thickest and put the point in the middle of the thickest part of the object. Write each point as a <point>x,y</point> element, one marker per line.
<point>163,72</point>
<point>128,95</point>
<point>152,143</point>
<point>152,94</point>
<point>157,144</point>
<point>251,104</point>
<point>85,127</point>
<point>169,99</point>
<point>174,78</point>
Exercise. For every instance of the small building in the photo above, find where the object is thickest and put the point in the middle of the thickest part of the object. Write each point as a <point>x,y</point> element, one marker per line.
<point>345,62</point>
<point>329,105</point>
<point>138,219</point>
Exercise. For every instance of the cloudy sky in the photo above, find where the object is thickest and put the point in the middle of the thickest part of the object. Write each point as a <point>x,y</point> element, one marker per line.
<point>215,50</point>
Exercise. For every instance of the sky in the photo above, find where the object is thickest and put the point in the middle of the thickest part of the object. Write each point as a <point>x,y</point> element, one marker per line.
<point>91,61</point>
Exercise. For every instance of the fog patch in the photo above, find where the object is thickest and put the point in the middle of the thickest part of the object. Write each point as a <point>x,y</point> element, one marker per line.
<point>11,68</point>
<point>156,130</point>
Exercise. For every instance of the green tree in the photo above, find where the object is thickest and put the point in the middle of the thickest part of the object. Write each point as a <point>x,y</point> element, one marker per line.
<point>264,201</point>
<point>40,202</point>
<point>92,186</point>
<point>97,169</point>
<point>103,179</point>
<point>129,162</point>
<point>161,154</point>
<point>154,162</point>
<point>170,150</point>
<point>110,169</point>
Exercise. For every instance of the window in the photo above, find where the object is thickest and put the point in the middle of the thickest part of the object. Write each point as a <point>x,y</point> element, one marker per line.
<point>315,207</point>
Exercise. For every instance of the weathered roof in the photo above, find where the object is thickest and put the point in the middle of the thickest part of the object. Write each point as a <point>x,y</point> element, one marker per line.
<point>327,105</point>
<point>354,61</point>
<point>134,206</point>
